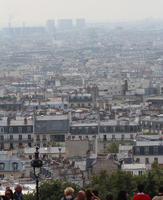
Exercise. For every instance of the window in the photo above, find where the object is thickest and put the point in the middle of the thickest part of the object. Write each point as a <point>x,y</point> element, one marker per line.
<point>122,136</point>
<point>29,137</point>
<point>140,173</point>
<point>131,136</point>
<point>104,138</point>
<point>15,166</point>
<point>80,137</point>
<point>20,137</point>
<point>29,144</point>
<point>94,129</point>
<point>131,128</point>
<point>29,129</point>
<point>91,147</point>
<point>11,146</point>
<point>2,146</point>
<point>113,137</point>
<point>20,129</point>
<point>155,150</point>
<point>2,176</point>
<point>10,130</point>
<point>2,166</point>
<point>20,144</point>
<point>44,137</point>
<point>146,160</point>
<point>86,129</point>
<point>137,150</point>
<point>1,137</point>
<point>137,160</point>
<point>38,144</point>
<point>11,137</point>
<point>2,130</point>
<point>37,137</point>
<point>156,159</point>
<point>131,172</point>
<point>57,138</point>
<point>146,150</point>
<point>104,145</point>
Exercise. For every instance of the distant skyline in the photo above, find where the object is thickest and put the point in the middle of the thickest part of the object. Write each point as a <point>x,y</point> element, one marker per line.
<point>36,12</point>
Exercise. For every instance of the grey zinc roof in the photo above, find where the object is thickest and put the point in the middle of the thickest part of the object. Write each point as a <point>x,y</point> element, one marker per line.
<point>84,124</point>
<point>45,150</point>
<point>149,143</point>
<point>8,163</point>
<point>53,117</point>
<point>83,98</point>
<point>18,122</point>
<point>51,123</point>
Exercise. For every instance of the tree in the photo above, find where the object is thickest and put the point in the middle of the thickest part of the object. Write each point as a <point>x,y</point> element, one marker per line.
<point>155,165</point>
<point>105,183</point>
<point>151,184</point>
<point>100,183</point>
<point>112,183</point>
<point>113,147</point>
<point>158,172</point>
<point>120,180</point>
<point>53,190</point>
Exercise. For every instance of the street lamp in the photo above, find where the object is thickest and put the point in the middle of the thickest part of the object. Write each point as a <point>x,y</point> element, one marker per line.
<point>60,149</point>
<point>36,163</point>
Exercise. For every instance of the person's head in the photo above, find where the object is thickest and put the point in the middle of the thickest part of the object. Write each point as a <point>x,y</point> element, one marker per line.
<point>18,189</point>
<point>88,194</point>
<point>80,195</point>
<point>140,188</point>
<point>69,191</point>
<point>122,195</point>
<point>109,197</point>
<point>161,189</point>
<point>9,193</point>
<point>8,188</point>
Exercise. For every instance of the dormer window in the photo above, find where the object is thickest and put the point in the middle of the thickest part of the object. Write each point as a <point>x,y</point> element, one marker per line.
<point>1,137</point>
<point>15,166</point>
<point>10,130</point>
<point>146,150</point>
<point>20,129</point>
<point>2,130</point>
<point>137,150</point>
<point>28,129</point>
<point>155,150</point>
<point>2,166</point>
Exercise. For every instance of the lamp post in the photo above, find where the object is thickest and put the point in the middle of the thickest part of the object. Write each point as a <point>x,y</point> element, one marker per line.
<point>60,149</point>
<point>36,163</point>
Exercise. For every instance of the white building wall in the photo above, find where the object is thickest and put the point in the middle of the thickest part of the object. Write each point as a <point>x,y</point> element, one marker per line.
<point>108,136</point>
<point>151,158</point>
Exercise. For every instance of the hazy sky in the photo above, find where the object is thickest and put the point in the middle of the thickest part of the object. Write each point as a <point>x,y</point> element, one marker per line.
<point>37,11</point>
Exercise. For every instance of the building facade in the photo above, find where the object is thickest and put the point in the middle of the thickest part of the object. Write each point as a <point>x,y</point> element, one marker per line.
<point>147,152</point>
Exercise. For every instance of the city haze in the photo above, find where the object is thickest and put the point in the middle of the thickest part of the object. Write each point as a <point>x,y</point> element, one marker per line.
<point>36,12</point>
